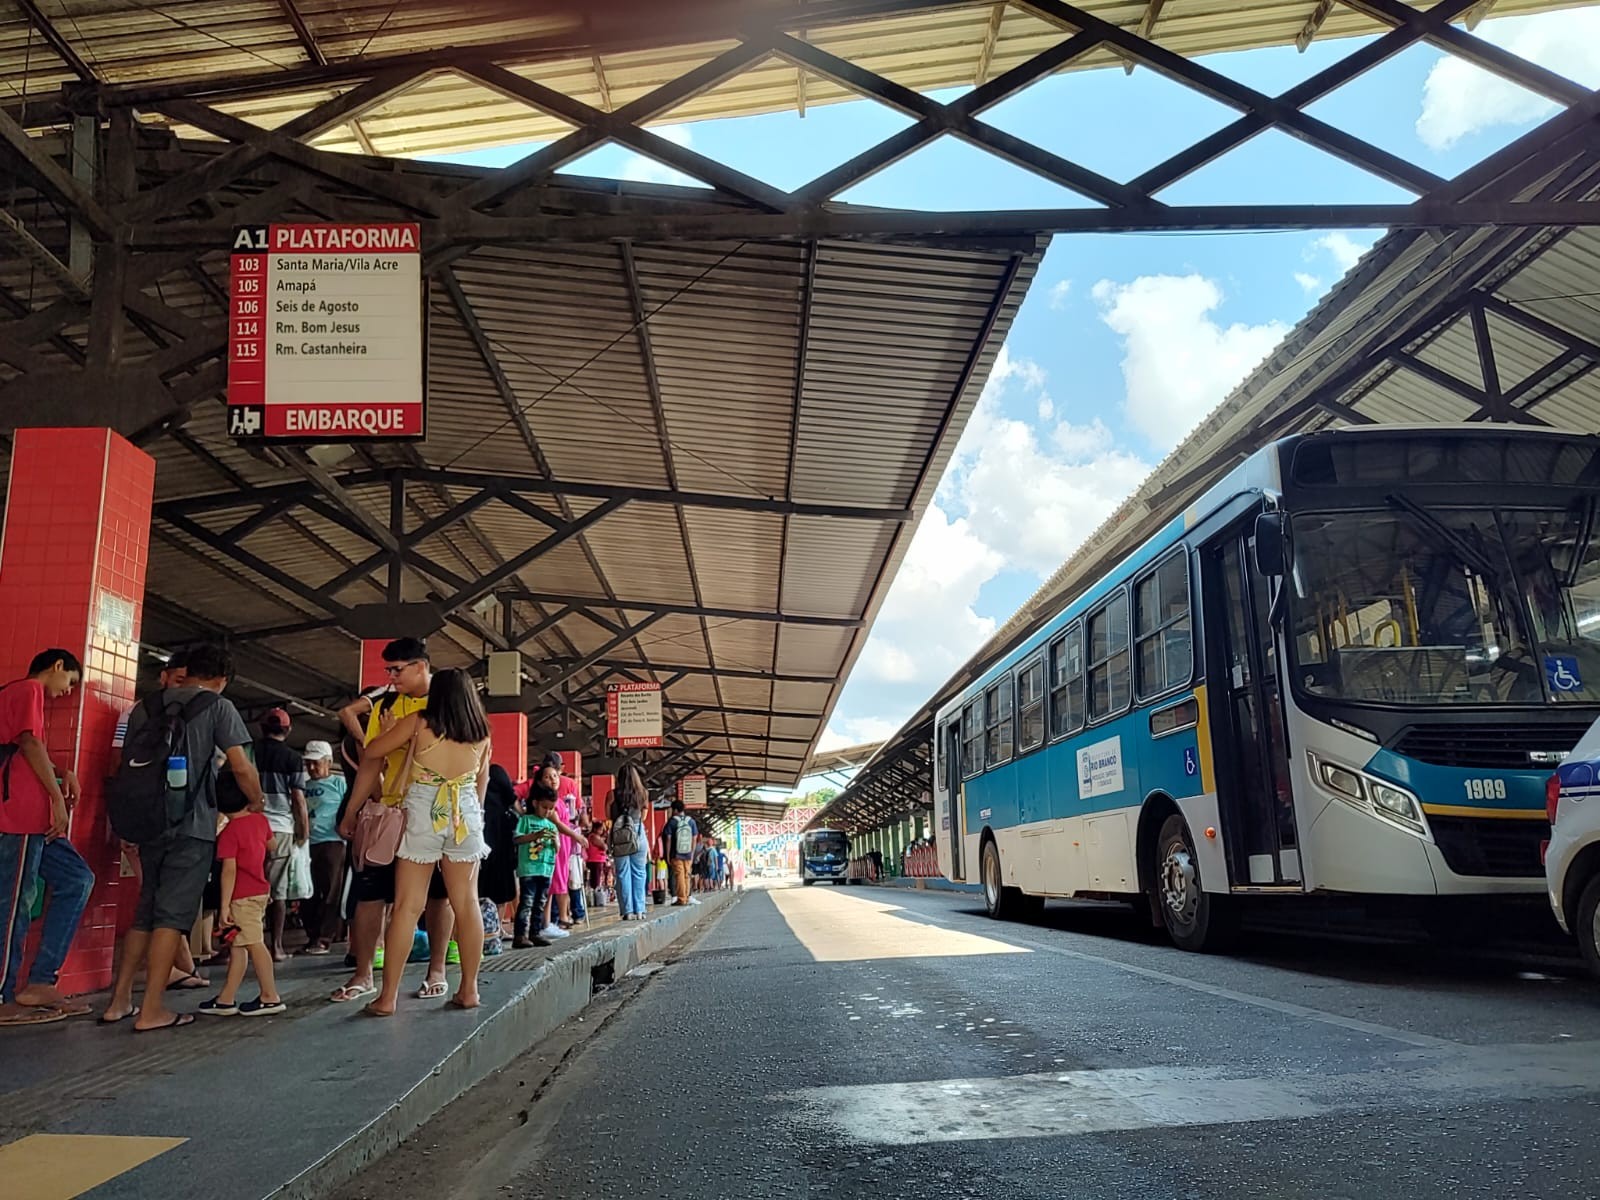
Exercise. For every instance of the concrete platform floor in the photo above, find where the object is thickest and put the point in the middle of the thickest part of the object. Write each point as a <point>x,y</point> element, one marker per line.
<point>285,1106</point>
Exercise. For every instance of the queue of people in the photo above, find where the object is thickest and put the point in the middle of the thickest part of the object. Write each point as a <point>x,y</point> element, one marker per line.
<point>407,824</point>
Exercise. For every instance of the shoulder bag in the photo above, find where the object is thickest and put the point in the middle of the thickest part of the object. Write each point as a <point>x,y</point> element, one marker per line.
<point>380,825</point>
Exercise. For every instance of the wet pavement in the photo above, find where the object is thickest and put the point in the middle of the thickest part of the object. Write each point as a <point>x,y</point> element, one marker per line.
<point>876,1042</point>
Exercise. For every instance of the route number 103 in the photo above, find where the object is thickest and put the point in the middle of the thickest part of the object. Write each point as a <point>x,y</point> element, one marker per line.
<point>1485,789</point>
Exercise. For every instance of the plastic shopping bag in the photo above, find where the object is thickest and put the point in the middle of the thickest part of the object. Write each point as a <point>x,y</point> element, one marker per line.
<point>300,886</point>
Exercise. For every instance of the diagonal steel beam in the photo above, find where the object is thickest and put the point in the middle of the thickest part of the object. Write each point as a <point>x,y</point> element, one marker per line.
<point>594,656</point>
<point>15,141</point>
<point>687,610</point>
<point>487,583</point>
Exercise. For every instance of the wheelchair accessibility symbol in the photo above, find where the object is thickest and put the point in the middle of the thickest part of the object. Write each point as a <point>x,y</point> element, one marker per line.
<point>1561,670</point>
<point>1191,764</point>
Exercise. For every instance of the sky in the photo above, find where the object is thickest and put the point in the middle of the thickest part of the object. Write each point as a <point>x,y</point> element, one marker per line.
<point>1125,341</point>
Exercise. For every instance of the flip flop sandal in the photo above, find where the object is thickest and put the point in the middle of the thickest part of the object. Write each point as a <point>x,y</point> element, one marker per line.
<point>191,982</point>
<point>34,1016</point>
<point>432,991</point>
<point>349,992</point>
<point>132,1012</point>
<point>179,1020</point>
<point>70,1010</point>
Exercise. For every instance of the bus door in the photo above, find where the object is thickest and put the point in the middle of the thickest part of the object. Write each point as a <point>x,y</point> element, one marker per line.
<point>1254,795</point>
<point>951,823</point>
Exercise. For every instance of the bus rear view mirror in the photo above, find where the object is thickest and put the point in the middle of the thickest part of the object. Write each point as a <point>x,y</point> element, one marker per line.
<point>1271,553</point>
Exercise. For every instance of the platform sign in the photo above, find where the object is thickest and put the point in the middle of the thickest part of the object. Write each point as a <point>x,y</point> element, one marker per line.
<point>326,336</point>
<point>692,791</point>
<point>633,715</point>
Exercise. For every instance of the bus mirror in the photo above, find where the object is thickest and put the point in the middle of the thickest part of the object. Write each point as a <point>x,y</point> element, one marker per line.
<point>1270,549</point>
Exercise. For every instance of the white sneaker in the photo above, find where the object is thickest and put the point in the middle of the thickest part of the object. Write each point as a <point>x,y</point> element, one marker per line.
<point>692,900</point>
<point>554,931</point>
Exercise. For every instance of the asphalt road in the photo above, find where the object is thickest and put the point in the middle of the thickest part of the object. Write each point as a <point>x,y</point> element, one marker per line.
<point>867,1042</point>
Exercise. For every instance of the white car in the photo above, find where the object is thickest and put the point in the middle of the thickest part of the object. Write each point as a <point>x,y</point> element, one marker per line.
<point>1572,857</point>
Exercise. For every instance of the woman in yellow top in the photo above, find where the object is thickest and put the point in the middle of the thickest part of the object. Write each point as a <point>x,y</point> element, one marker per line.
<point>444,827</point>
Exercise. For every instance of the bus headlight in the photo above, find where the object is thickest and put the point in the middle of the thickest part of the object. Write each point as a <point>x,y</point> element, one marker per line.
<point>1371,795</point>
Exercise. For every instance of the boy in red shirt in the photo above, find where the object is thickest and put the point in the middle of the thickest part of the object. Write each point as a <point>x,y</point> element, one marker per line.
<point>242,846</point>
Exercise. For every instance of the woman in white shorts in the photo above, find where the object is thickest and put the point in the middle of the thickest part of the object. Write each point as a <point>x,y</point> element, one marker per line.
<point>444,827</point>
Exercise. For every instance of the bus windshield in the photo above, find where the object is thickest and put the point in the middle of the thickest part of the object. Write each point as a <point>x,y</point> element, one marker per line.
<point>1417,605</point>
<point>824,845</point>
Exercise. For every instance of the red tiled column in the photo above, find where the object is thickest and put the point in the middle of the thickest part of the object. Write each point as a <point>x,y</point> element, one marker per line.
<point>509,732</point>
<point>372,665</point>
<point>600,789</point>
<point>72,574</point>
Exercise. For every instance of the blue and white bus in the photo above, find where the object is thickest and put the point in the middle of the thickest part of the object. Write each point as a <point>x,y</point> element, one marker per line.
<point>1347,670</point>
<point>824,854</point>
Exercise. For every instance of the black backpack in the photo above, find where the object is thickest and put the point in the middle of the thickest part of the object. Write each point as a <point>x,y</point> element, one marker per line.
<point>140,805</point>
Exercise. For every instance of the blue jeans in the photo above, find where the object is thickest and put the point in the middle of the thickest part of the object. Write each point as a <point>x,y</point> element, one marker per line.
<point>575,897</point>
<point>631,873</point>
<point>26,861</point>
<point>530,906</point>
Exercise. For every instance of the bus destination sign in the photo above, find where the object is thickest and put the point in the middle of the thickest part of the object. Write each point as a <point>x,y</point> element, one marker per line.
<point>326,333</point>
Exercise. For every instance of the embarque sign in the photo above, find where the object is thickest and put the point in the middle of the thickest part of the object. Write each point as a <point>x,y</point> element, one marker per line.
<point>633,715</point>
<point>326,333</point>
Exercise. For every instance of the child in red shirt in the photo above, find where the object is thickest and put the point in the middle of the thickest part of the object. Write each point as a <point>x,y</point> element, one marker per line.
<point>242,847</point>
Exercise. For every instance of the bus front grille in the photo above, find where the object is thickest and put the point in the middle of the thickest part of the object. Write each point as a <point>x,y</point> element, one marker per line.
<point>1519,746</point>
<point>1505,849</point>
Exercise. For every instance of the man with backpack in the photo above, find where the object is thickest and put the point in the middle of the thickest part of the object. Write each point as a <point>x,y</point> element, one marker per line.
<point>34,849</point>
<point>677,847</point>
<point>164,800</point>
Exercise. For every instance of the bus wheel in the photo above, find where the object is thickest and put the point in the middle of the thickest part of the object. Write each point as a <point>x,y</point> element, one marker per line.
<point>1003,903</point>
<point>808,882</point>
<point>1195,919</point>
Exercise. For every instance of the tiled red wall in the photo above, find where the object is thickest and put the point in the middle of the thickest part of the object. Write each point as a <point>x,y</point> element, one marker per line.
<point>510,734</point>
<point>372,664</point>
<point>77,528</point>
<point>600,789</point>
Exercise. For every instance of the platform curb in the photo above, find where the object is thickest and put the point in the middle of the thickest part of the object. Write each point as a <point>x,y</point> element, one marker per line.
<point>558,990</point>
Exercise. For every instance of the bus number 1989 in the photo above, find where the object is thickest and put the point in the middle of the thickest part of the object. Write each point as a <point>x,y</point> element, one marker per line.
<point>1485,789</point>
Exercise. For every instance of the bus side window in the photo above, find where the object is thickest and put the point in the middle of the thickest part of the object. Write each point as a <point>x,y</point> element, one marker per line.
<point>1109,668</point>
<point>1165,650</point>
<point>1030,707</point>
<point>997,722</point>
<point>1066,682</point>
<point>941,755</point>
<point>972,739</point>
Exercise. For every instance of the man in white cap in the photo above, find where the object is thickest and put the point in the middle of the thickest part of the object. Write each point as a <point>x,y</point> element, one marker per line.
<point>325,792</point>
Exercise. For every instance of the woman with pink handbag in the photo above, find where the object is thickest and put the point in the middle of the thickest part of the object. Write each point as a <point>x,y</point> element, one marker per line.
<point>438,822</point>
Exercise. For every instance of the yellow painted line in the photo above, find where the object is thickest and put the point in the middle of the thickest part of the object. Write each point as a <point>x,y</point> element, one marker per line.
<point>838,926</point>
<point>59,1166</point>
<point>1202,736</point>
<point>1466,810</point>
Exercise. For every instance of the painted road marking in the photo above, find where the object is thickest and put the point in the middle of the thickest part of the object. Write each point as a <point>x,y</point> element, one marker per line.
<point>1068,1103</point>
<point>837,927</point>
<point>59,1166</point>
<point>1284,1007</point>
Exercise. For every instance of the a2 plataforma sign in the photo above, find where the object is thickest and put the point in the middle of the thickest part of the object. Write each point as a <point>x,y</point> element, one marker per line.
<point>326,333</point>
<point>633,715</point>
<point>692,791</point>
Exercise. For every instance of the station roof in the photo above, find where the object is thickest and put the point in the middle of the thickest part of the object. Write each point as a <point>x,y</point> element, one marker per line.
<point>715,498</point>
<point>1474,325</point>
<point>268,60</point>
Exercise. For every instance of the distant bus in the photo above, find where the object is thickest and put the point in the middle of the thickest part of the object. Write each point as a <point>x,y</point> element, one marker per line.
<point>824,854</point>
<point>1348,669</point>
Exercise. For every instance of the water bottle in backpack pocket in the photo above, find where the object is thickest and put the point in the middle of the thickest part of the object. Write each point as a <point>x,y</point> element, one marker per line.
<point>155,784</point>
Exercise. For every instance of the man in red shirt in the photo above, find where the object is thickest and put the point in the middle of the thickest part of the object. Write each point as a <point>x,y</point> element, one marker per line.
<point>35,810</point>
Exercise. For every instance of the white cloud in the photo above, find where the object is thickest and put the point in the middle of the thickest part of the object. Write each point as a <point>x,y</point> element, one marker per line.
<point>1179,363</point>
<point>1345,249</point>
<point>928,625</point>
<point>1459,99</point>
<point>856,731</point>
<point>1030,493</point>
<point>1310,283</point>
<point>641,168</point>
<point>1059,293</point>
